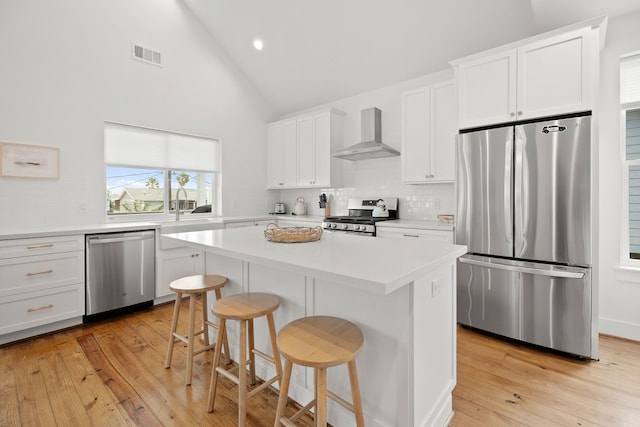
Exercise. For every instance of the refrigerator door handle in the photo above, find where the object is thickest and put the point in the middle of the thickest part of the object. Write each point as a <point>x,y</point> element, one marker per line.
<point>521,269</point>
<point>521,193</point>
<point>508,223</point>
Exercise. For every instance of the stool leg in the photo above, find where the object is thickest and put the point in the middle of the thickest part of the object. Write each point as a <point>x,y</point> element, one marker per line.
<point>284,392</point>
<point>205,326</point>
<point>274,345</point>
<point>321,397</point>
<point>190,340</point>
<point>213,385</point>
<point>174,326</point>
<point>227,354</point>
<point>252,356</point>
<point>355,394</point>
<point>242,375</point>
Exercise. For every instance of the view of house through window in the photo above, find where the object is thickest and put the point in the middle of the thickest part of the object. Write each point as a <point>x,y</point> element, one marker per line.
<point>148,191</point>
<point>632,144</point>
<point>630,109</point>
<point>145,169</point>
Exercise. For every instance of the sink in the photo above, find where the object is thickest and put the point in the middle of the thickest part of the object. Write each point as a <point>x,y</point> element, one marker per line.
<point>184,226</point>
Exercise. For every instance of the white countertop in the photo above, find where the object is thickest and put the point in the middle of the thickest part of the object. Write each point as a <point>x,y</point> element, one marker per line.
<point>375,265</point>
<point>117,226</point>
<point>77,229</point>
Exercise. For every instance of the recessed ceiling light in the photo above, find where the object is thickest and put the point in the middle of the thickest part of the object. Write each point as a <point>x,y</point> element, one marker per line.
<point>257,43</point>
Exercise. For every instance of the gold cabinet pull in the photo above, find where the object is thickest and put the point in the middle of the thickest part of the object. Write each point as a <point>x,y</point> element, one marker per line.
<point>39,272</point>
<point>44,307</point>
<point>44,245</point>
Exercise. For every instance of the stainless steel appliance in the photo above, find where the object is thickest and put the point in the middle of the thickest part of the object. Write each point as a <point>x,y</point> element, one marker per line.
<point>524,211</point>
<point>120,272</point>
<point>363,215</point>
<point>280,208</point>
<point>371,146</point>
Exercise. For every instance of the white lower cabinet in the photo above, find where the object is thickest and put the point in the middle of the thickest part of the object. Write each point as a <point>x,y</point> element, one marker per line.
<point>41,285</point>
<point>176,263</point>
<point>439,235</point>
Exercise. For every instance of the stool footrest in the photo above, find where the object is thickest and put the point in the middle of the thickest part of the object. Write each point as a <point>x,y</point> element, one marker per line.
<point>227,374</point>
<point>203,349</point>
<point>286,423</point>
<point>263,355</point>
<point>340,400</point>
<point>262,386</point>
<point>300,413</point>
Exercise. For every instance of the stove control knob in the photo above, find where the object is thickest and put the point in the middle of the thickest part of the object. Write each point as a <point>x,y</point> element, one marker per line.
<point>345,226</point>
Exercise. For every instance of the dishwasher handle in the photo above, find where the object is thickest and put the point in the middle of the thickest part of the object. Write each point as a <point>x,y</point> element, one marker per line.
<point>124,237</point>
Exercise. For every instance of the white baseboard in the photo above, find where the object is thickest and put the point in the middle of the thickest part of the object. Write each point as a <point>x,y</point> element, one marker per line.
<point>620,329</point>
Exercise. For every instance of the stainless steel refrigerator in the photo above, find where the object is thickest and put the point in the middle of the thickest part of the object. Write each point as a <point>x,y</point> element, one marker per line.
<point>524,208</point>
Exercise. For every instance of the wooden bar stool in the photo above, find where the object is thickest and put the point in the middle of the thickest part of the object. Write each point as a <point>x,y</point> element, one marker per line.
<point>244,308</point>
<point>194,286</point>
<point>319,342</point>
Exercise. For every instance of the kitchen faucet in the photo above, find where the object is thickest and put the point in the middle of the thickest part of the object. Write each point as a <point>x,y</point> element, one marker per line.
<point>186,201</point>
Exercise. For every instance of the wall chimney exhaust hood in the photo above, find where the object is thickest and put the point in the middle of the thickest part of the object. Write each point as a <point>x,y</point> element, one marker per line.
<point>371,146</point>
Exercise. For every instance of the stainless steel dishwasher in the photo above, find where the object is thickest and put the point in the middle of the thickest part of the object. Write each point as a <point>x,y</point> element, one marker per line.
<point>120,272</point>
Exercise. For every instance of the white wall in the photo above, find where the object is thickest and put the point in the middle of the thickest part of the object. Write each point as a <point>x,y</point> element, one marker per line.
<point>619,288</point>
<point>66,67</point>
<point>379,177</point>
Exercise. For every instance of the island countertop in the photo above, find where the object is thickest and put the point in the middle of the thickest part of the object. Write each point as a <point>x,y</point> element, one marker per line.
<point>372,264</point>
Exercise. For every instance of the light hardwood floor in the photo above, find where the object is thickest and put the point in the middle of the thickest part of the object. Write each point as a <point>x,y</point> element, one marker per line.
<point>112,373</point>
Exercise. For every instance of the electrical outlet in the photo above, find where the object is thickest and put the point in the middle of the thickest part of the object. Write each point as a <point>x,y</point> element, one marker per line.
<point>435,288</point>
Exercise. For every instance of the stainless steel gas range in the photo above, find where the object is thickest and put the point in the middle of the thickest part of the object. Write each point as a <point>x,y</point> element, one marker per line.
<point>363,215</point>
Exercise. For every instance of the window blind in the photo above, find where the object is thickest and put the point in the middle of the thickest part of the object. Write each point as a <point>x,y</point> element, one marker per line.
<point>135,146</point>
<point>630,79</point>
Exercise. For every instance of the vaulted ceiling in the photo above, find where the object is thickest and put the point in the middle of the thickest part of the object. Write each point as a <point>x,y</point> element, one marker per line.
<point>319,51</point>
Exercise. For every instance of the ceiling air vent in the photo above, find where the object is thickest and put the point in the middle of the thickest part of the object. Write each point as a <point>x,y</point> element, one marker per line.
<point>145,54</point>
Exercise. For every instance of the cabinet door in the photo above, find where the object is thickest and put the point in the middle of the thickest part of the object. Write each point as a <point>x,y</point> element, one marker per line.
<point>443,132</point>
<point>415,151</point>
<point>176,263</point>
<point>306,152</point>
<point>554,75</point>
<point>487,90</point>
<point>322,149</point>
<point>281,155</point>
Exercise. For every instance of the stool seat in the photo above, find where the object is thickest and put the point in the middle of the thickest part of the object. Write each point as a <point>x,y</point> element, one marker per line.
<point>320,341</point>
<point>245,306</point>
<point>194,286</point>
<point>198,283</point>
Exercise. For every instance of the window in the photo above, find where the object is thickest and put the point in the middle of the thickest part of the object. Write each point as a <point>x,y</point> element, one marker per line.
<point>630,114</point>
<point>145,169</point>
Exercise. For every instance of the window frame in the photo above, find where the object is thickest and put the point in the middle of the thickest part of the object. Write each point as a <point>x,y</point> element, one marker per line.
<point>625,241</point>
<point>174,141</point>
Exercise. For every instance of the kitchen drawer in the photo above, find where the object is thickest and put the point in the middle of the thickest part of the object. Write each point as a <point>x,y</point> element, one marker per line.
<point>438,235</point>
<point>28,310</point>
<point>15,248</point>
<point>27,274</point>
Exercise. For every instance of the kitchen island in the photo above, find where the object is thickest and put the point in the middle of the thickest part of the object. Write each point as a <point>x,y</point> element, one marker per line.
<point>400,292</point>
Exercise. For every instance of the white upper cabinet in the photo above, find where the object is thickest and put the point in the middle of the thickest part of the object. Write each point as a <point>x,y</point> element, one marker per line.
<point>545,77</point>
<point>428,134</point>
<point>281,154</point>
<point>299,151</point>
<point>554,76</point>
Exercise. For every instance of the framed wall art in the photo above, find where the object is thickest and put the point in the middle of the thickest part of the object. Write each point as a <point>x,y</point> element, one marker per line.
<point>28,161</point>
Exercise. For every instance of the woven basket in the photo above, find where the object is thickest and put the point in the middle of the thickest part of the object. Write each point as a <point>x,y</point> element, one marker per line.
<point>274,233</point>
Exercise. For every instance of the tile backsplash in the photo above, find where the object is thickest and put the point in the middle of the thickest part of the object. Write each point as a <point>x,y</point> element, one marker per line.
<point>373,178</point>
